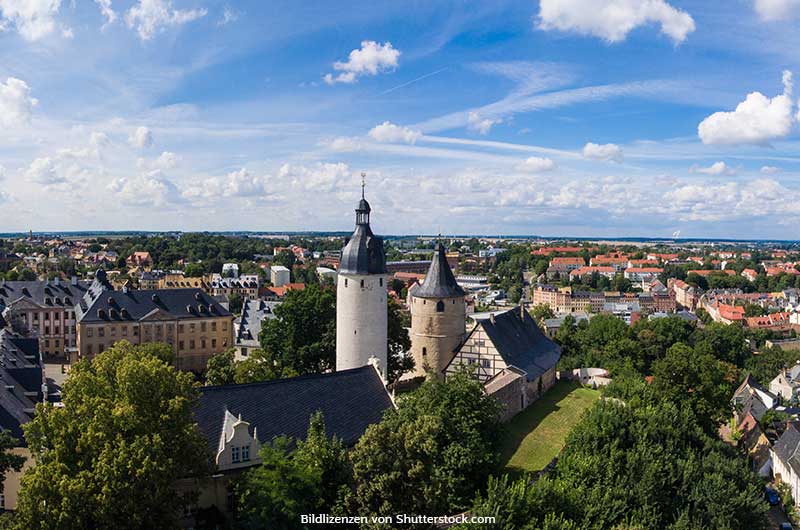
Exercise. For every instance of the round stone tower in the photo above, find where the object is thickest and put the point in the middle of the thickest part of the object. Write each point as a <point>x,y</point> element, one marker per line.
<point>438,317</point>
<point>361,312</point>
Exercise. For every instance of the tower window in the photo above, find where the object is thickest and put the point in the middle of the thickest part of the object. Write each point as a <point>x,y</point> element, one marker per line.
<point>424,352</point>
<point>362,284</point>
<point>440,306</point>
<point>345,282</point>
<point>380,282</point>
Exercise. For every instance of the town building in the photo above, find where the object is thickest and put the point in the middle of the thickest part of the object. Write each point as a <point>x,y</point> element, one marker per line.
<point>140,259</point>
<point>230,270</point>
<point>195,325</point>
<point>244,286</point>
<point>562,266</point>
<point>247,328</point>
<point>237,420</point>
<point>513,358</point>
<point>43,310</point>
<point>786,459</point>
<point>279,275</point>
<point>361,298</point>
<point>438,317</point>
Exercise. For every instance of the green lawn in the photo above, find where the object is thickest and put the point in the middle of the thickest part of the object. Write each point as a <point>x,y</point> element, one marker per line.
<point>537,434</point>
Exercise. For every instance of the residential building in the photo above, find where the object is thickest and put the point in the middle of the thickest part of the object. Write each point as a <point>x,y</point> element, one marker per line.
<point>22,374</point>
<point>326,275</point>
<point>279,275</point>
<point>586,272</point>
<point>245,286</point>
<point>277,293</point>
<point>150,279</point>
<point>175,280</point>
<point>140,259</point>
<point>617,261</point>
<point>194,324</point>
<point>642,275</point>
<point>750,274</point>
<point>786,459</point>
<point>247,328</point>
<point>686,295</point>
<point>773,321</point>
<point>43,310</point>
<point>787,384</point>
<point>230,270</point>
<point>513,359</point>
<point>752,398</point>
<point>420,267</point>
<point>237,420</point>
<point>564,265</point>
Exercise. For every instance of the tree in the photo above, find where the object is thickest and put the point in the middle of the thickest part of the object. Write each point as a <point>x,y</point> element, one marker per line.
<point>110,457</point>
<point>399,344</point>
<point>293,480</point>
<point>301,339</point>
<point>221,369</point>
<point>430,454</point>
<point>8,460</point>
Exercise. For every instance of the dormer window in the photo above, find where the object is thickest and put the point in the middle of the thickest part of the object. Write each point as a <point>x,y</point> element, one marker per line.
<point>234,455</point>
<point>245,453</point>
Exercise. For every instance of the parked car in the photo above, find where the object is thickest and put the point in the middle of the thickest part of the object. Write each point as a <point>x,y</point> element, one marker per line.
<point>786,526</point>
<point>772,496</point>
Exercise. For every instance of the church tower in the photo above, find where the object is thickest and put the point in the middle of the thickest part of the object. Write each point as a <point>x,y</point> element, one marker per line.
<point>361,312</point>
<point>438,317</point>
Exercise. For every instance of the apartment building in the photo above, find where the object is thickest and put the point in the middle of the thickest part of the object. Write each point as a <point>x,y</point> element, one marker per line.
<point>192,322</point>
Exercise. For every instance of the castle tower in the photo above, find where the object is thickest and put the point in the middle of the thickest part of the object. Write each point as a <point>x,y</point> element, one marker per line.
<point>438,317</point>
<point>361,312</point>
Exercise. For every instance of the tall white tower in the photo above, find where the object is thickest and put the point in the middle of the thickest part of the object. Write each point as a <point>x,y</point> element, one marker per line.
<point>361,312</point>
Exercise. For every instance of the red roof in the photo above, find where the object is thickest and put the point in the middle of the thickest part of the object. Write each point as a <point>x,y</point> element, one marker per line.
<point>635,270</point>
<point>705,272</point>
<point>567,261</point>
<point>281,291</point>
<point>589,270</point>
<point>731,312</point>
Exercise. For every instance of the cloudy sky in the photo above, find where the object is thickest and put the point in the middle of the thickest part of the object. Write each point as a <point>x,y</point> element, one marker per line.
<point>551,117</point>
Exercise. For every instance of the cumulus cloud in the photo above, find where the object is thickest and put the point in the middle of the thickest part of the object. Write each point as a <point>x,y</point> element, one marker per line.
<point>756,120</point>
<point>319,177</point>
<point>612,20</point>
<point>343,144</point>
<point>141,138</point>
<point>16,103</point>
<point>608,152</point>
<point>771,10</point>
<point>717,168</point>
<point>389,132</point>
<point>536,164</point>
<point>371,59</point>
<point>33,19</point>
<point>476,122</point>
<point>148,189</point>
<point>239,183</point>
<point>149,17</point>
<point>770,170</point>
<point>106,10</point>
<point>43,171</point>
<point>166,160</point>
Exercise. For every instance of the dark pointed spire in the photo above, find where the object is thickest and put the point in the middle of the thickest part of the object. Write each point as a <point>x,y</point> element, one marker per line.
<point>363,253</point>
<point>439,281</point>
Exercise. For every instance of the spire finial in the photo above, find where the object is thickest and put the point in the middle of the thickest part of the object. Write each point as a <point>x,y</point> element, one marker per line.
<point>363,182</point>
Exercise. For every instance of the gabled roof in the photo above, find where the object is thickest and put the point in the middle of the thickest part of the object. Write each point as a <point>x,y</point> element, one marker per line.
<point>21,381</point>
<point>43,293</point>
<point>350,401</point>
<point>123,305</point>
<point>788,446</point>
<point>253,314</point>
<point>520,342</point>
<point>439,281</point>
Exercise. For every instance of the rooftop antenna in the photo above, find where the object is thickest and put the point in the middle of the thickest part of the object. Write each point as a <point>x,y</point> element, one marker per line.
<point>363,182</point>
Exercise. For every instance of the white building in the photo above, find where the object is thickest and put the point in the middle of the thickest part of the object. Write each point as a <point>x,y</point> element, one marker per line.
<point>279,275</point>
<point>361,298</point>
<point>230,270</point>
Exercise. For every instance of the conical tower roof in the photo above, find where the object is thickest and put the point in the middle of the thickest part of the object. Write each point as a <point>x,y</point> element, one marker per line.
<point>439,281</point>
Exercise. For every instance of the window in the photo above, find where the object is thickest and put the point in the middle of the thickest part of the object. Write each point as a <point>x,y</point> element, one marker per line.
<point>101,332</point>
<point>89,349</point>
<point>180,328</point>
<point>424,352</point>
<point>440,306</point>
<point>46,343</point>
<point>191,344</point>
<point>380,282</point>
<point>486,363</point>
<point>124,331</point>
<point>180,344</point>
<point>203,327</point>
<point>345,282</point>
<point>234,455</point>
<point>135,331</point>
<point>213,343</point>
<point>203,343</point>
<point>245,453</point>
<point>213,326</point>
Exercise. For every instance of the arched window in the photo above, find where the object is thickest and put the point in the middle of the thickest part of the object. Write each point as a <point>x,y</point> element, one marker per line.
<point>440,306</point>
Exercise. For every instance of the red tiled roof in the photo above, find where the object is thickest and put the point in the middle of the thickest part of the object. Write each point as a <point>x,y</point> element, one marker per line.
<point>567,261</point>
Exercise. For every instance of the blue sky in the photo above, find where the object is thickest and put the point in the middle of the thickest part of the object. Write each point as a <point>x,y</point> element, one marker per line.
<point>552,117</point>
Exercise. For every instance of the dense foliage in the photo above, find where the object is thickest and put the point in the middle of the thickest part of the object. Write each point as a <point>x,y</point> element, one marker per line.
<point>111,456</point>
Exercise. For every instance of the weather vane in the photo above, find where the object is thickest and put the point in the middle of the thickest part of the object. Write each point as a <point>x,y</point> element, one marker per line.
<point>363,182</point>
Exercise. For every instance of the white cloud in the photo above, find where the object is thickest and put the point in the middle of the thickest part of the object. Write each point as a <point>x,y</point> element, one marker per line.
<point>148,189</point>
<point>141,138</point>
<point>343,144</point>
<point>166,160</point>
<point>537,164</point>
<point>318,177</point>
<point>149,17</point>
<point>107,11</point>
<point>43,171</point>
<point>229,15</point>
<point>33,19</point>
<point>717,168</point>
<point>3,172</point>
<point>483,125</point>
<point>371,59</point>
<point>389,132</point>
<point>240,183</point>
<point>16,103</point>
<point>770,170</point>
<point>756,120</point>
<point>771,10</point>
<point>612,20</point>
<point>606,152</point>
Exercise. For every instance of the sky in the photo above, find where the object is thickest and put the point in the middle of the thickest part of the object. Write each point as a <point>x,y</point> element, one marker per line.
<point>602,118</point>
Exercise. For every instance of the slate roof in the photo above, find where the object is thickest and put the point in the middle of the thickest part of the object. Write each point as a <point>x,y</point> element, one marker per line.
<point>253,314</point>
<point>21,379</point>
<point>363,253</point>
<point>521,343</point>
<point>134,305</point>
<point>43,293</point>
<point>350,401</point>
<point>439,281</point>
<point>787,448</point>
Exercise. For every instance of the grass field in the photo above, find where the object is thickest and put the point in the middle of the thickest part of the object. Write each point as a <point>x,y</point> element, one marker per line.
<point>537,434</point>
